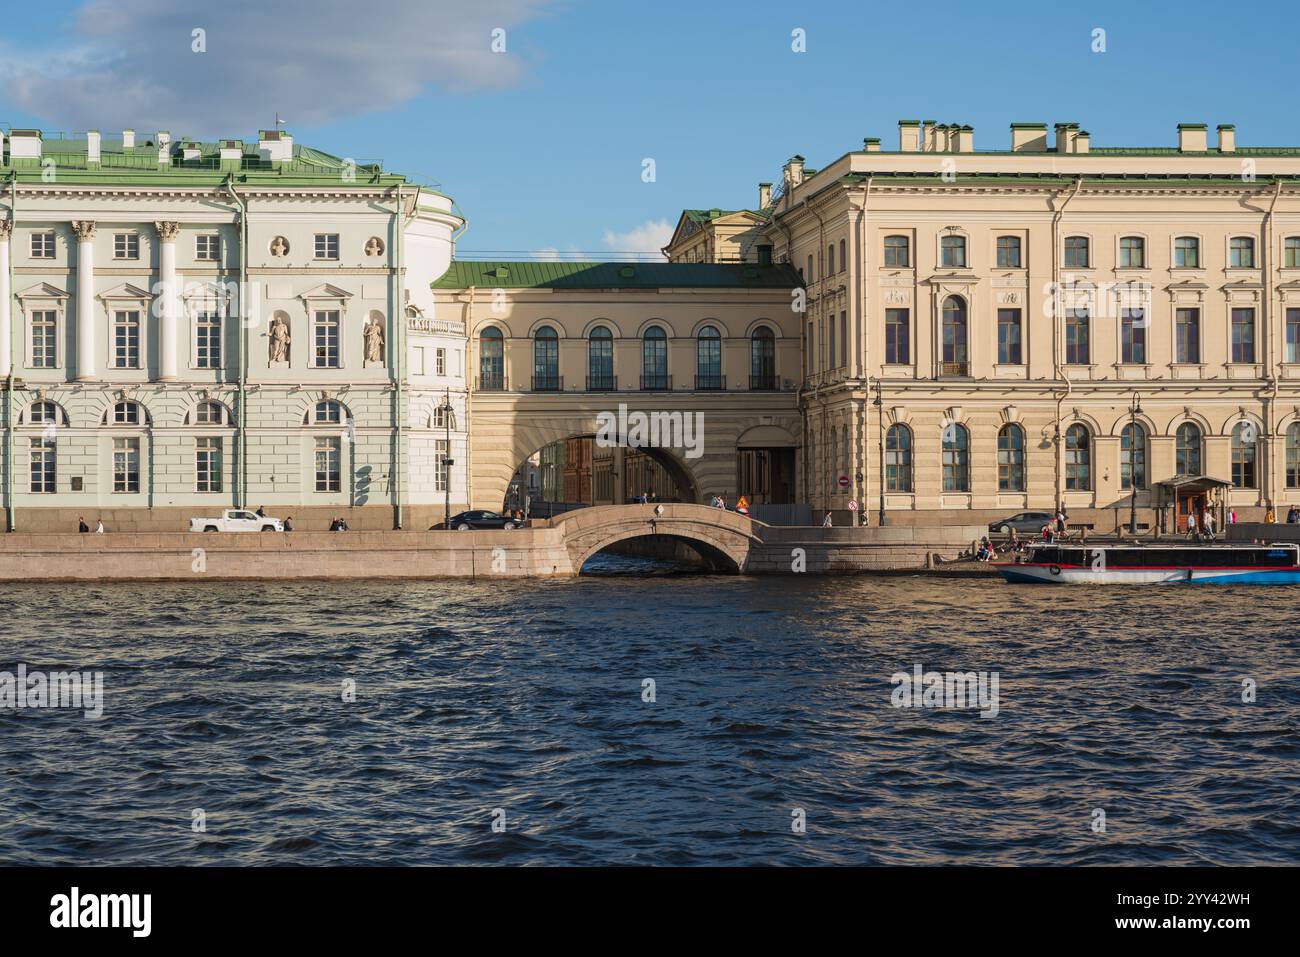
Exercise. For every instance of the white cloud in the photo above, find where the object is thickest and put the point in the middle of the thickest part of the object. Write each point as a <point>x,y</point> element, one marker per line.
<point>130,63</point>
<point>649,237</point>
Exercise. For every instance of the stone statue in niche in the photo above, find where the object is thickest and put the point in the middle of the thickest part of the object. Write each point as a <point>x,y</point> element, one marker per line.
<point>373,333</point>
<point>279,247</point>
<point>278,340</point>
<point>374,246</point>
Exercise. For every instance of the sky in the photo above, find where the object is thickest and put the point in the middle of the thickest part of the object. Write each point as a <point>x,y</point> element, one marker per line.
<point>544,144</point>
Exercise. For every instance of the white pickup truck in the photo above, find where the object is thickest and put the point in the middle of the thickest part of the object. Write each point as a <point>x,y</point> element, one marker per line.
<point>237,520</point>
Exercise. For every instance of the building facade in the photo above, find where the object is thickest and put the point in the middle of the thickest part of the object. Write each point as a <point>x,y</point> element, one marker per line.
<point>1048,324</point>
<point>189,326</point>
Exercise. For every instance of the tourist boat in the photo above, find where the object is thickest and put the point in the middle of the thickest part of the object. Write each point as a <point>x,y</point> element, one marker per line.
<point>1227,564</point>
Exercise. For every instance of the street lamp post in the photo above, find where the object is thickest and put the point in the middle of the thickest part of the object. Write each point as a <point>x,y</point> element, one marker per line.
<point>1134,411</point>
<point>879,403</point>
<point>447,462</point>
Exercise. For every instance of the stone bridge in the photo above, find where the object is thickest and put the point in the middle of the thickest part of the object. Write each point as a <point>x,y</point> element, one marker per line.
<point>726,540</point>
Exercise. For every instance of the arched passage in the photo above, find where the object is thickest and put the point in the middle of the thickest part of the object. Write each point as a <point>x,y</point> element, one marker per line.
<point>723,539</point>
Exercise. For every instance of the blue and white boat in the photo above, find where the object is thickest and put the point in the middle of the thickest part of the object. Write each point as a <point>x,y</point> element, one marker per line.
<point>1228,564</point>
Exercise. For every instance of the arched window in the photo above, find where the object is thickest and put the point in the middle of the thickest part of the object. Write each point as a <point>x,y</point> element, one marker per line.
<point>954,337</point>
<point>1132,252</point>
<point>1244,435</point>
<point>844,262</point>
<point>898,459</point>
<point>209,413</point>
<point>45,412</point>
<point>1133,457</point>
<point>600,360</point>
<point>654,360</point>
<point>1078,458</point>
<point>1011,458</point>
<point>1187,449</point>
<point>328,412</point>
<point>127,413</point>
<point>1293,455</point>
<point>956,458</point>
<point>1187,252</point>
<point>708,359</point>
<point>762,359</point>
<point>1076,252</point>
<point>491,360</point>
<point>897,252</point>
<point>1241,253</point>
<point>546,360</point>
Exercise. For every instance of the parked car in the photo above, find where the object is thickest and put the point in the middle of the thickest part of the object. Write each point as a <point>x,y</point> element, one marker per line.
<point>1031,522</point>
<point>237,520</point>
<point>481,518</point>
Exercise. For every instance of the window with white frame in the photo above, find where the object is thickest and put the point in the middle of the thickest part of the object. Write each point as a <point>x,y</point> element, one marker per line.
<point>43,245</point>
<point>207,464</point>
<point>126,339</point>
<point>126,245</point>
<point>207,340</point>
<point>329,478</point>
<point>126,465</point>
<point>207,247</point>
<point>440,362</point>
<point>44,412</point>
<point>209,413</point>
<point>325,338</point>
<point>44,459</point>
<point>45,334</point>
<point>327,245</point>
<point>126,413</point>
<point>328,412</point>
<point>441,470</point>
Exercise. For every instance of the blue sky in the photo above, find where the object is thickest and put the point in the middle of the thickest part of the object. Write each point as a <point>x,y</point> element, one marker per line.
<point>542,146</point>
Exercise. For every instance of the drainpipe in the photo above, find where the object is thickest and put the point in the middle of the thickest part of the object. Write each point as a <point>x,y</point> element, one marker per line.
<point>1058,322</point>
<point>860,352</point>
<point>11,515</point>
<point>398,354</point>
<point>241,422</point>
<point>469,392</point>
<point>1270,372</point>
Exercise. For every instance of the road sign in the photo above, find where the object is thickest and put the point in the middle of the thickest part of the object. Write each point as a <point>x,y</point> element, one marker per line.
<point>853,506</point>
<point>844,481</point>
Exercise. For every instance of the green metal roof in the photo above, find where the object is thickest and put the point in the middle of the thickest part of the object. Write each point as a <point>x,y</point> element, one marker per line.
<point>138,165</point>
<point>616,275</point>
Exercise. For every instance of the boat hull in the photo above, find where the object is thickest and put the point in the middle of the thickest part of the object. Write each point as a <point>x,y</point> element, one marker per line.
<point>1057,575</point>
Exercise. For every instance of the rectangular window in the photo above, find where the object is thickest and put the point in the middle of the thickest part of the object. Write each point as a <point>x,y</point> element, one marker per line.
<point>1076,252</point>
<point>327,245</point>
<point>207,465</point>
<point>417,360</point>
<point>207,248</point>
<point>1009,252</point>
<point>126,339</point>
<point>1132,253</point>
<point>897,326</point>
<point>1293,335</point>
<point>440,362</point>
<point>1133,336</point>
<point>325,333</point>
<point>1009,337</point>
<point>126,465</point>
<point>844,338</point>
<point>207,339</point>
<point>45,325</point>
<point>1077,351</point>
<point>44,456</point>
<point>1291,252</point>
<point>1243,335</point>
<point>952,252</point>
<point>126,246</point>
<point>1187,336</point>
<point>1241,253</point>
<point>896,252</point>
<point>43,245</point>
<point>812,354</point>
<point>830,343</point>
<point>1187,252</point>
<point>441,470</point>
<point>328,475</point>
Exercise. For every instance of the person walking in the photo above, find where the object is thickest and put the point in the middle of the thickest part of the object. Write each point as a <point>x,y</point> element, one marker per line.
<point>288,523</point>
<point>1191,525</point>
<point>1208,522</point>
<point>99,526</point>
<point>81,525</point>
<point>1292,515</point>
<point>826,522</point>
<point>1268,517</point>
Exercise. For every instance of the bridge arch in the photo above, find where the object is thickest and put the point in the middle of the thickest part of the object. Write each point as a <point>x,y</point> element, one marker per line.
<point>723,538</point>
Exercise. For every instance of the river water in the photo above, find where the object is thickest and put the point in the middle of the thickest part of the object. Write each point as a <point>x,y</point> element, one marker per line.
<point>523,702</point>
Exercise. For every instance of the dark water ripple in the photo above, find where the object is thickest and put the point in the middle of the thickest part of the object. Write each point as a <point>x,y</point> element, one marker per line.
<point>771,695</point>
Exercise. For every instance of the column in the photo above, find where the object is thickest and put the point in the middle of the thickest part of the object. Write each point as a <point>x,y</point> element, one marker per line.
<point>85,231</point>
<point>6,298</point>
<point>167,303</point>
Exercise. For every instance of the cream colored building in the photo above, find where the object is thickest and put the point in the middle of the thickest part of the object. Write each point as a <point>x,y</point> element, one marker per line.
<point>1011,308</point>
<point>554,345</point>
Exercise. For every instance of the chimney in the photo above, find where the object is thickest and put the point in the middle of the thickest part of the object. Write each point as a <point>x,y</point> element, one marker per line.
<point>909,136</point>
<point>965,140</point>
<point>871,144</point>
<point>1064,136</point>
<point>92,147</point>
<point>1227,138</point>
<point>927,136</point>
<point>795,170</point>
<point>164,139</point>
<point>275,146</point>
<point>24,144</point>
<point>764,195</point>
<point>231,155</point>
<point>128,139</point>
<point>1081,141</point>
<point>191,152</point>
<point>1191,137</point>
<point>1028,137</point>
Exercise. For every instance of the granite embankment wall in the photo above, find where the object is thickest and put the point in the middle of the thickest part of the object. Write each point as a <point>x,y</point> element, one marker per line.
<point>538,552</point>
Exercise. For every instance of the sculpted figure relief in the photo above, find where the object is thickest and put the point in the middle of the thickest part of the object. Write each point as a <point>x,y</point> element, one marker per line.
<point>278,337</point>
<point>279,247</point>
<point>374,339</point>
<point>374,246</point>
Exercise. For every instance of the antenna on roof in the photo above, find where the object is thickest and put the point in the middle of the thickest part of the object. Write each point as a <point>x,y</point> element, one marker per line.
<point>278,122</point>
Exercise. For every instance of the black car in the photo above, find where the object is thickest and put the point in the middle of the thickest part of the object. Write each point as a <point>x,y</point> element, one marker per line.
<point>1031,522</point>
<point>481,518</point>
